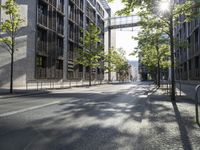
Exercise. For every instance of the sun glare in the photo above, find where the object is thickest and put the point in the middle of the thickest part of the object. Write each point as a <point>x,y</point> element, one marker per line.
<point>164,5</point>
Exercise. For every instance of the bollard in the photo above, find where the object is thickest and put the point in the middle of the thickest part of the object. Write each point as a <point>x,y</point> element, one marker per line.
<point>180,88</point>
<point>37,85</point>
<point>197,104</point>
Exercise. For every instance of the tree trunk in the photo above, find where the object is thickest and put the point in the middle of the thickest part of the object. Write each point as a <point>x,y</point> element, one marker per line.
<point>11,72</point>
<point>11,64</point>
<point>90,77</point>
<point>158,64</point>
<point>173,97</point>
<point>158,74</point>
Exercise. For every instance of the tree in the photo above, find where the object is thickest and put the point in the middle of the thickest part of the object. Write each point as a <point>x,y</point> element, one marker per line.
<point>92,52</point>
<point>152,45</point>
<point>117,61</point>
<point>169,19</point>
<point>9,28</point>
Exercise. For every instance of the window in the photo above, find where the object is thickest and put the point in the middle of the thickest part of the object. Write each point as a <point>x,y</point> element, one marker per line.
<point>60,5</point>
<point>59,64</point>
<point>190,64</point>
<point>42,40</point>
<point>42,14</point>
<point>189,42</point>
<point>42,9</point>
<point>185,66</point>
<point>41,61</point>
<point>80,68</point>
<point>71,51</point>
<point>87,69</point>
<point>197,62</point>
<point>60,24</point>
<point>60,46</point>
<point>98,70</point>
<point>196,36</point>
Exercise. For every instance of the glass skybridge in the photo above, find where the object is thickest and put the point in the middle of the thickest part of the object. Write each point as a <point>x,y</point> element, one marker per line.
<point>122,22</point>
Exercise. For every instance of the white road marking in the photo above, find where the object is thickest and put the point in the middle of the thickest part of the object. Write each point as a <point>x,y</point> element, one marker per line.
<point>143,96</point>
<point>28,109</point>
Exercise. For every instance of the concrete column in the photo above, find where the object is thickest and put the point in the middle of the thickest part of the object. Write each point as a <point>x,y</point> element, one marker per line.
<point>65,54</point>
<point>109,40</point>
<point>187,57</point>
<point>84,27</point>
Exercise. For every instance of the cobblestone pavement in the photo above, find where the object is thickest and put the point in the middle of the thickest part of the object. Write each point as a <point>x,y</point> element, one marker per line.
<point>169,125</point>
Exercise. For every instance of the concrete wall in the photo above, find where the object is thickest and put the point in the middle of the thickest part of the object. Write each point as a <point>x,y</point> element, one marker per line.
<point>24,56</point>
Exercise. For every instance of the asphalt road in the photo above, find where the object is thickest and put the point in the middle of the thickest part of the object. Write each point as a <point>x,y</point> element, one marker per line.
<point>107,117</point>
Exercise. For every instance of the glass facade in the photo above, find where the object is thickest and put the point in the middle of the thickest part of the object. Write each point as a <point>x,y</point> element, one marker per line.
<point>80,14</point>
<point>187,56</point>
<point>50,36</point>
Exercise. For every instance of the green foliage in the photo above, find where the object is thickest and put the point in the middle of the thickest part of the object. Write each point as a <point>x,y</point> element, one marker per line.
<point>117,60</point>
<point>11,25</point>
<point>156,26</point>
<point>9,29</point>
<point>92,52</point>
<point>152,44</point>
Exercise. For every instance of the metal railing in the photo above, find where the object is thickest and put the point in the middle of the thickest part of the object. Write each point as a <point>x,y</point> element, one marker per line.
<point>57,84</point>
<point>197,104</point>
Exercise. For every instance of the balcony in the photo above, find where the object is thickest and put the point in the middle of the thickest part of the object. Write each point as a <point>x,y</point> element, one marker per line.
<point>60,7</point>
<point>196,47</point>
<point>40,73</point>
<point>42,47</point>
<point>71,55</point>
<point>60,52</point>
<point>42,19</point>
<point>53,2</point>
<point>60,29</point>
<point>59,73</point>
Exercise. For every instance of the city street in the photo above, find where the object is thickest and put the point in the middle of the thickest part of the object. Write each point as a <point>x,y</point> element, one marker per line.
<point>106,117</point>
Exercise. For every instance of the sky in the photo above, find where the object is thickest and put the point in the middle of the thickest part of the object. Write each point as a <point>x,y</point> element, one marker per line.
<point>124,38</point>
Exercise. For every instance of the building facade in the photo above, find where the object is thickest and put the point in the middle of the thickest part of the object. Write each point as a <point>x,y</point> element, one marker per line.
<point>48,41</point>
<point>188,55</point>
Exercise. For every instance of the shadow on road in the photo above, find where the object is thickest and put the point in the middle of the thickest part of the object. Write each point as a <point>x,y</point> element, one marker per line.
<point>101,121</point>
<point>84,121</point>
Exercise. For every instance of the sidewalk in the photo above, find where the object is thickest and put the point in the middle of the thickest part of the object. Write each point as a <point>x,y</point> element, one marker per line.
<point>42,89</point>
<point>170,125</point>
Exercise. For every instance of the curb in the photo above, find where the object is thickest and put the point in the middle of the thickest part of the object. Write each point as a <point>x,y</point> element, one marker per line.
<point>24,94</point>
<point>45,91</point>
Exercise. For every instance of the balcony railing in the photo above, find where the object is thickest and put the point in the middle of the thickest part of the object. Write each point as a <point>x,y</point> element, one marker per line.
<point>40,73</point>
<point>60,7</point>
<point>194,74</point>
<point>42,19</point>
<point>60,52</point>
<point>59,73</point>
<point>60,29</point>
<point>71,55</point>
<point>42,46</point>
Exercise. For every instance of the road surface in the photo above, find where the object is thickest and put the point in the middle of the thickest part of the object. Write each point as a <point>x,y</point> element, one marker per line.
<point>102,117</point>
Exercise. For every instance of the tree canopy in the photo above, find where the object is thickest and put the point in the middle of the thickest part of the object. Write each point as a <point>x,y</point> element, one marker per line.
<point>92,52</point>
<point>9,29</point>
